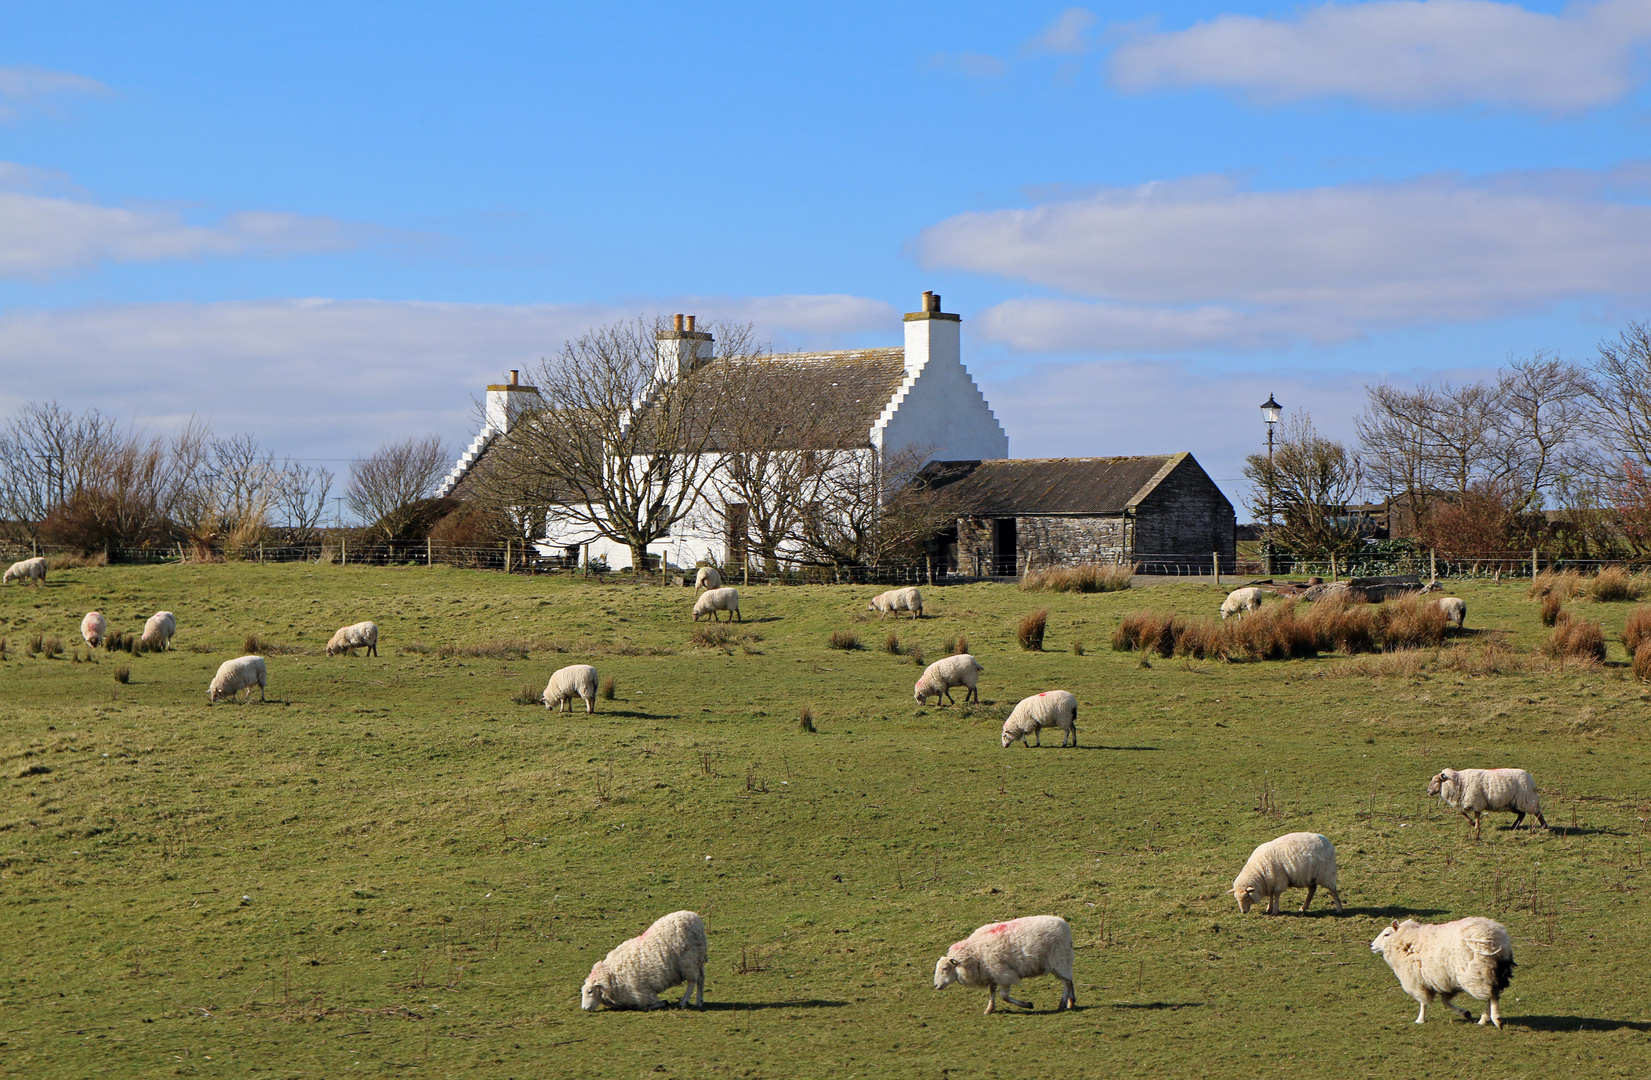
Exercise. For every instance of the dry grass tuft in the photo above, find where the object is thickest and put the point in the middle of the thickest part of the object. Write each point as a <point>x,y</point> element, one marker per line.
<point>1146,631</point>
<point>1552,605</point>
<point>805,719</point>
<point>609,684</point>
<point>52,647</point>
<point>843,639</point>
<point>1077,648</point>
<point>1566,584</point>
<point>1637,630</point>
<point>1615,583</point>
<point>1030,631</point>
<point>1090,578</point>
<point>1642,662</point>
<point>527,695</point>
<point>1411,622</point>
<point>492,650</point>
<point>1577,639</point>
<point>123,674</point>
<point>961,646</point>
<point>77,562</point>
<point>891,644</point>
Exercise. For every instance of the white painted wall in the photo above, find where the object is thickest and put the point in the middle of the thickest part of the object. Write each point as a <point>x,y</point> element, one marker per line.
<point>939,405</point>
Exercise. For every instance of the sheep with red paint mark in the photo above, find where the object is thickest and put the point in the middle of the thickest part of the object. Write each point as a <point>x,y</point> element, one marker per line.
<point>999,955</point>
<point>671,951</point>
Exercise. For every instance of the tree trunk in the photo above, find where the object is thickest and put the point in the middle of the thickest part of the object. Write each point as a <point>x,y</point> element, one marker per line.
<point>639,558</point>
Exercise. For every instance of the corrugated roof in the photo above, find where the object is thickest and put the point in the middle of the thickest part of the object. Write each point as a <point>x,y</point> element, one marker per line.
<point>1105,485</point>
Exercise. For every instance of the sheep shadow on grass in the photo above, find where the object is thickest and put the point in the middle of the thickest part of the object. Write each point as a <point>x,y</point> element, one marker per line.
<point>1574,1023</point>
<point>743,1006</point>
<point>1392,911</point>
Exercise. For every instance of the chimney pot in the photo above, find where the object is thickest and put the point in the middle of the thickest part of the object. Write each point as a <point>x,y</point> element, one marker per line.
<point>928,301</point>
<point>690,323</point>
<point>513,374</point>
<point>678,320</point>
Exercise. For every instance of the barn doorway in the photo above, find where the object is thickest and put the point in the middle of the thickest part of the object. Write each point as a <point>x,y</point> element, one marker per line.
<point>1003,547</point>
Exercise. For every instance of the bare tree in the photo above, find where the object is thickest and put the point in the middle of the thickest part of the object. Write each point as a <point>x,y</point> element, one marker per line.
<point>1621,390</point>
<point>301,497</point>
<point>621,444</point>
<point>384,485</point>
<point>1307,484</point>
<point>1541,428</point>
<point>49,456</point>
<point>871,509</point>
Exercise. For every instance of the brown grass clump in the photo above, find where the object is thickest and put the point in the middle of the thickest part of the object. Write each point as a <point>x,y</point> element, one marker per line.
<point>1411,622</point>
<point>1090,578</point>
<point>492,650</point>
<point>843,639</point>
<point>962,645</point>
<point>1030,631</point>
<point>69,561</point>
<point>805,719</point>
<point>1342,625</point>
<point>1273,633</point>
<point>1201,639</point>
<point>609,685</point>
<point>52,647</point>
<point>1637,630</point>
<point>253,644</point>
<point>1077,648</point>
<point>1577,639</point>
<point>891,644</point>
<point>716,636</point>
<point>1552,605</point>
<point>1146,631</point>
<point>123,674</point>
<point>1564,583</point>
<point>1614,583</point>
<point>1642,662</point>
<point>527,695</point>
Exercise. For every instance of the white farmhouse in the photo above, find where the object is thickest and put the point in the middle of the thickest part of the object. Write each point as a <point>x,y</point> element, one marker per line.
<point>892,401</point>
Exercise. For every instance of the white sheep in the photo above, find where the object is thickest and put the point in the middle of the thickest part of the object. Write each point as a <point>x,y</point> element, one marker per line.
<point>939,677</point>
<point>27,570</point>
<point>707,578</point>
<point>1475,791</point>
<point>1470,954</point>
<point>670,951</point>
<point>999,955</point>
<point>1241,601</point>
<point>362,635</point>
<point>573,681</point>
<point>715,600</point>
<point>898,600</point>
<point>1051,709</point>
<point>1455,609</point>
<point>158,631</point>
<point>241,673</point>
<point>1289,862</point>
<point>94,628</point>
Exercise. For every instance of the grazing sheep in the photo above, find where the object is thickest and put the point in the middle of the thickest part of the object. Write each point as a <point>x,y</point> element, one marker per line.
<point>999,955</point>
<point>939,677</point>
<point>28,569</point>
<point>1475,791</point>
<point>158,631</point>
<point>94,628</point>
<point>347,639</point>
<point>715,600</point>
<point>242,673</point>
<point>898,600</point>
<point>1052,708</point>
<point>708,578</point>
<point>1455,609</point>
<point>573,681</point>
<point>1289,862</point>
<point>1241,601</point>
<point>1470,954</point>
<point>670,951</point>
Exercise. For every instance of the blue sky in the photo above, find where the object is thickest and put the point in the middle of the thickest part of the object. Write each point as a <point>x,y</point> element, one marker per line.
<point>332,224</point>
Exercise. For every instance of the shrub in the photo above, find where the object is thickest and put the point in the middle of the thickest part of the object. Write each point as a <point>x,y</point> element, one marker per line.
<point>1030,631</point>
<point>609,684</point>
<point>1637,630</point>
<point>1552,605</point>
<point>1614,583</point>
<point>844,639</point>
<point>805,719</point>
<point>123,674</point>
<point>1642,662</point>
<point>1577,639</point>
<point>1090,578</point>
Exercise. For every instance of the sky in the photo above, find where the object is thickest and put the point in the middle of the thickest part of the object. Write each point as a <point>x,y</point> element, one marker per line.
<point>331,225</point>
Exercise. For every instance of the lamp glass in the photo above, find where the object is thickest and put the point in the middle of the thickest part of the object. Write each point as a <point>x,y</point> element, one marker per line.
<point>1271,410</point>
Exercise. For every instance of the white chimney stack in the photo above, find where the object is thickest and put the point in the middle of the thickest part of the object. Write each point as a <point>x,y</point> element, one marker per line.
<point>681,349</point>
<point>932,334</point>
<point>505,401</point>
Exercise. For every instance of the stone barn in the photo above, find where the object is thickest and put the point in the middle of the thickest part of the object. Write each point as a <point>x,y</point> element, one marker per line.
<point>1161,510</point>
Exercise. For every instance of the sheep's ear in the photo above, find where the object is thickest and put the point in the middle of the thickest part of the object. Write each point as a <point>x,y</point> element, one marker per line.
<point>1395,924</point>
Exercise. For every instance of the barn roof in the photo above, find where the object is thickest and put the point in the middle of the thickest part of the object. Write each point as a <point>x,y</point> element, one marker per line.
<point>1032,486</point>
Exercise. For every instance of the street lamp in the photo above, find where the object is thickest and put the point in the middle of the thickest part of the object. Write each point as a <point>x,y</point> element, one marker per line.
<point>1271,410</point>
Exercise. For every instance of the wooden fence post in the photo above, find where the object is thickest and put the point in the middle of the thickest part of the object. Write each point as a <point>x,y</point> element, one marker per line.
<point>1533,564</point>
<point>1433,564</point>
<point>507,556</point>
<point>1217,568</point>
<point>428,561</point>
<point>343,550</point>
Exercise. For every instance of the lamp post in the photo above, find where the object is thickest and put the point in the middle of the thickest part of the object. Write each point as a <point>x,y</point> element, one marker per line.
<point>1270,412</point>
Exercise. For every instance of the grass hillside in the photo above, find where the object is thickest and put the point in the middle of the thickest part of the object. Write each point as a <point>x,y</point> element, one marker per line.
<point>394,867</point>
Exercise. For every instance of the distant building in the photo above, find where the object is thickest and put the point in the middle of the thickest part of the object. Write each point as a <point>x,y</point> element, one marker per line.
<point>1160,510</point>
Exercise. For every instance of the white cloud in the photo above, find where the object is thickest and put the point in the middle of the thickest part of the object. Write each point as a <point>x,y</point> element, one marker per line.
<point>41,235</point>
<point>1405,53</point>
<point>1206,263</point>
<point>27,85</point>
<point>333,378</point>
<point>1067,35</point>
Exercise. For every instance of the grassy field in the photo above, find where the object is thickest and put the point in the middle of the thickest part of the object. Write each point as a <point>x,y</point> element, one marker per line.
<point>394,868</point>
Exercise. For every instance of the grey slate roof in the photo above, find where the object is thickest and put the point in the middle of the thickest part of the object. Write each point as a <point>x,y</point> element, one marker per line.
<point>844,392</point>
<point>1033,486</point>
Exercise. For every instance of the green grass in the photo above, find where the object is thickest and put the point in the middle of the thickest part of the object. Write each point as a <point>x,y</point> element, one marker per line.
<point>393,869</point>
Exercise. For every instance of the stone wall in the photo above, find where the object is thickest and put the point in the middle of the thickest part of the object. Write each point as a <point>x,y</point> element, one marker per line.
<point>1186,514</point>
<point>1070,541</point>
